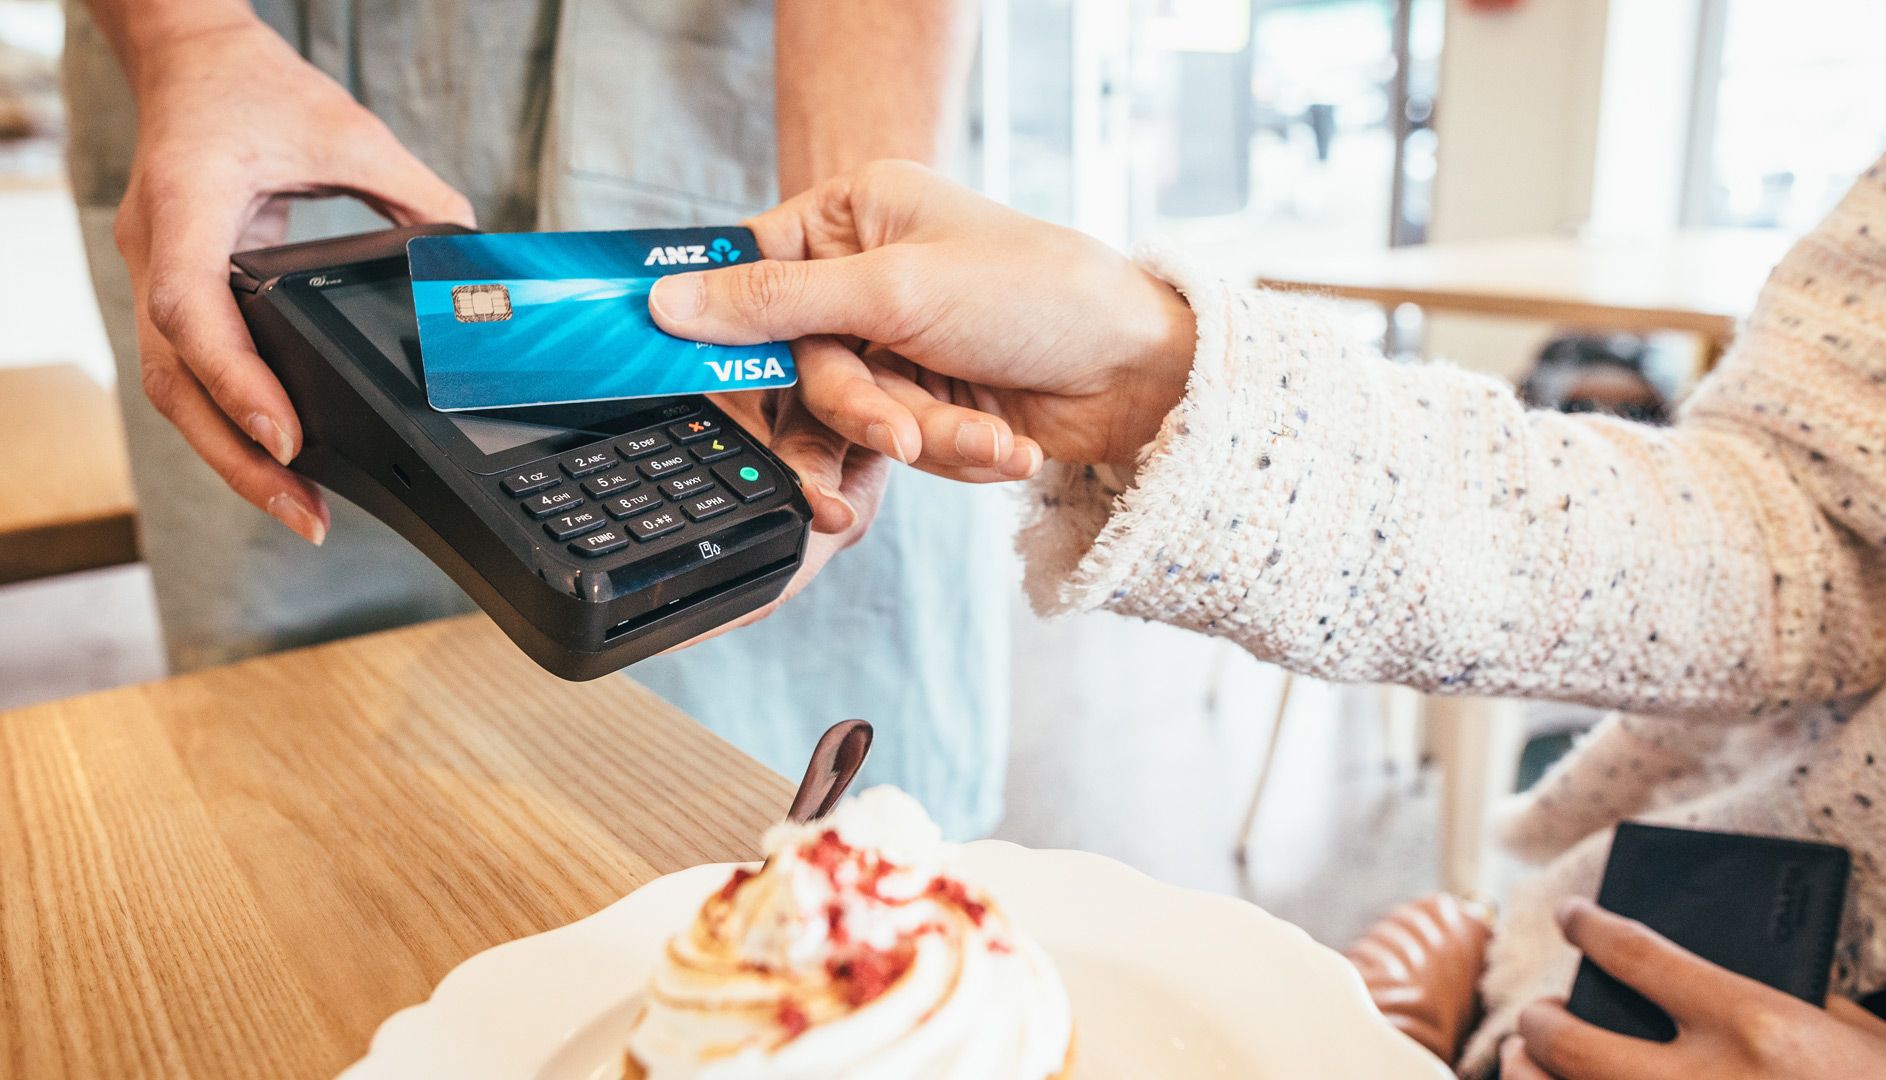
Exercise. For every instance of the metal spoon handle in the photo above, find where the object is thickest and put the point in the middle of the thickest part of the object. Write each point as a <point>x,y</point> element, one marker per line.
<point>835,760</point>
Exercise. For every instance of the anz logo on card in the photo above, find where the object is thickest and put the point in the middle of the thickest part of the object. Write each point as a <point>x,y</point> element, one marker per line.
<point>720,251</point>
<point>753,368</point>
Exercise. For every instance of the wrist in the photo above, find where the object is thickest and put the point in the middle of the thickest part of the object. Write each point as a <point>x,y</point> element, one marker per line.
<point>157,46</point>
<point>1153,383</point>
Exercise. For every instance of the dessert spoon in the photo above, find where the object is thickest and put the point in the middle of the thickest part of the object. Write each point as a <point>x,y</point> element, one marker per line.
<point>835,760</point>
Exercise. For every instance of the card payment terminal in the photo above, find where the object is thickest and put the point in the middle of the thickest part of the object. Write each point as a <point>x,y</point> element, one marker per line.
<point>594,535</point>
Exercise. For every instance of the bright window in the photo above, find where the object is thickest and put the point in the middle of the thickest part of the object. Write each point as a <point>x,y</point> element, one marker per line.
<point>1789,109</point>
<point>1285,137</point>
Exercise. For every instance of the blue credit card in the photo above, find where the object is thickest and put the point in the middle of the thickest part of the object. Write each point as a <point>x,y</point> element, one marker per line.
<point>512,319</point>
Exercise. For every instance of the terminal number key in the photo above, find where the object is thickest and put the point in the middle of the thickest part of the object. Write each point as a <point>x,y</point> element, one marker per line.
<point>564,526</point>
<point>542,506</point>
<point>654,525</point>
<point>643,445</point>
<point>532,479</point>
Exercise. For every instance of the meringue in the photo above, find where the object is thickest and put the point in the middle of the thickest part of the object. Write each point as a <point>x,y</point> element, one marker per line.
<point>853,953</point>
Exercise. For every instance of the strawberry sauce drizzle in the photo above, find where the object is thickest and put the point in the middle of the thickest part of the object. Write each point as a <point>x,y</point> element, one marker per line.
<point>740,877</point>
<point>863,974</point>
<point>792,1018</point>
<point>955,893</point>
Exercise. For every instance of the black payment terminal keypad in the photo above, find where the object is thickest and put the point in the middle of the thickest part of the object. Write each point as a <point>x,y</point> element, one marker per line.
<point>641,487</point>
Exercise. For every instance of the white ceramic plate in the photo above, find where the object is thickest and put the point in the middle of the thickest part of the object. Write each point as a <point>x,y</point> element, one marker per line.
<point>1166,983</point>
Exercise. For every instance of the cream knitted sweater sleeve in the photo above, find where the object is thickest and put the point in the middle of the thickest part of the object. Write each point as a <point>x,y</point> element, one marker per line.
<point>1360,519</point>
<point>1724,579</point>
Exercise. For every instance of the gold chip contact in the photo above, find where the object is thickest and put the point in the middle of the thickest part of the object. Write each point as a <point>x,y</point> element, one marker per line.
<point>481,303</point>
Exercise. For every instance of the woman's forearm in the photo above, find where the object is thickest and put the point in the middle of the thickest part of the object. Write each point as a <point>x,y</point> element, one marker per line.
<point>1364,520</point>
<point>1340,513</point>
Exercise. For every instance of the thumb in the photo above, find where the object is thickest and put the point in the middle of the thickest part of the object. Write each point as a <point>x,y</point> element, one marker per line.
<point>401,188</point>
<point>859,296</point>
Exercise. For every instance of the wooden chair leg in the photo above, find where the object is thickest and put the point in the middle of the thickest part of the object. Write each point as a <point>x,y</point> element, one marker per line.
<point>1242,852</point>
<point>1476,744</point>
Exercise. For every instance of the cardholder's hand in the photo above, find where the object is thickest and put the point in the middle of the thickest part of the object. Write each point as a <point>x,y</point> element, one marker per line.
<point>1728,1026</point>
<point>995,339</point>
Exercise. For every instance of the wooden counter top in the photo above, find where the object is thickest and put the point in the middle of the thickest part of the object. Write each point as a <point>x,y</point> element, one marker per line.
<point>241,872</point>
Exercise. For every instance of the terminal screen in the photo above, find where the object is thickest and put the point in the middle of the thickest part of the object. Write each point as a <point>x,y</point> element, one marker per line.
<point>383,313</point>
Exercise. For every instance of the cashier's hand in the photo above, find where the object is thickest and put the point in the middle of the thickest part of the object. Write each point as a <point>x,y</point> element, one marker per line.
<point>844,483</point>
<point>231,123</point>
<point>946,330</point>
<point>1728,1027</point>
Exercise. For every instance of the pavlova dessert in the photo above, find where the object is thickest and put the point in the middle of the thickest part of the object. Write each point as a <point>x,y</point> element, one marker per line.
<point>853,953</point>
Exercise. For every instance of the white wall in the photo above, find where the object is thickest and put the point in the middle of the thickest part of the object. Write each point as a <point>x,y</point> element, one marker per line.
<point>1517,123</point>
<point>1518,117</point>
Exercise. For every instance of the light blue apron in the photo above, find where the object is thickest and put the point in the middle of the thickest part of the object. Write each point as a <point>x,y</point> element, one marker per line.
<point>582,114</point>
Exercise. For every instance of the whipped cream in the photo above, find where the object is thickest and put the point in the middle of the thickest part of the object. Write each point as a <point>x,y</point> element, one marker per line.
<point>853,953</point>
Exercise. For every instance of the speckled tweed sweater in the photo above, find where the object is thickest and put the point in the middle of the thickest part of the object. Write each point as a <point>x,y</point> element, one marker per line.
<point>1721,582</point>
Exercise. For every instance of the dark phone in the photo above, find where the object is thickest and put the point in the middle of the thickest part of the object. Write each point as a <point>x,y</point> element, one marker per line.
<point>1764,907</point>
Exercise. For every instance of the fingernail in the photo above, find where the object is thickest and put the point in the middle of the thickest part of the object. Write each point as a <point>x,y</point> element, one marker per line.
<point>678,297</point>
<point>295,514</point>
<point>883,438</point>
<point>977,442</point>
<point>849,515</point>
<point>270,436</point>
<point>1022,462</point>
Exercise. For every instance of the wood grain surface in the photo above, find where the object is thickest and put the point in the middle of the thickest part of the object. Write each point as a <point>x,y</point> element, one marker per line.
<point>65,486</point>
<point>241,872</point>
<point>1700,281</point>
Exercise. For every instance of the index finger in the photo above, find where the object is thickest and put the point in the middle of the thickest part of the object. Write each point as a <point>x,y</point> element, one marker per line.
<point>780,231</point>
<point>826,466</point>
<point>188,302</point>
<point>837,389</point>
<point>1677,980</point>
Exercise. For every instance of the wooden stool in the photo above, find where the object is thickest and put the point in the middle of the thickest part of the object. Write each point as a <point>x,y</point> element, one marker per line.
<point>65,483</point>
